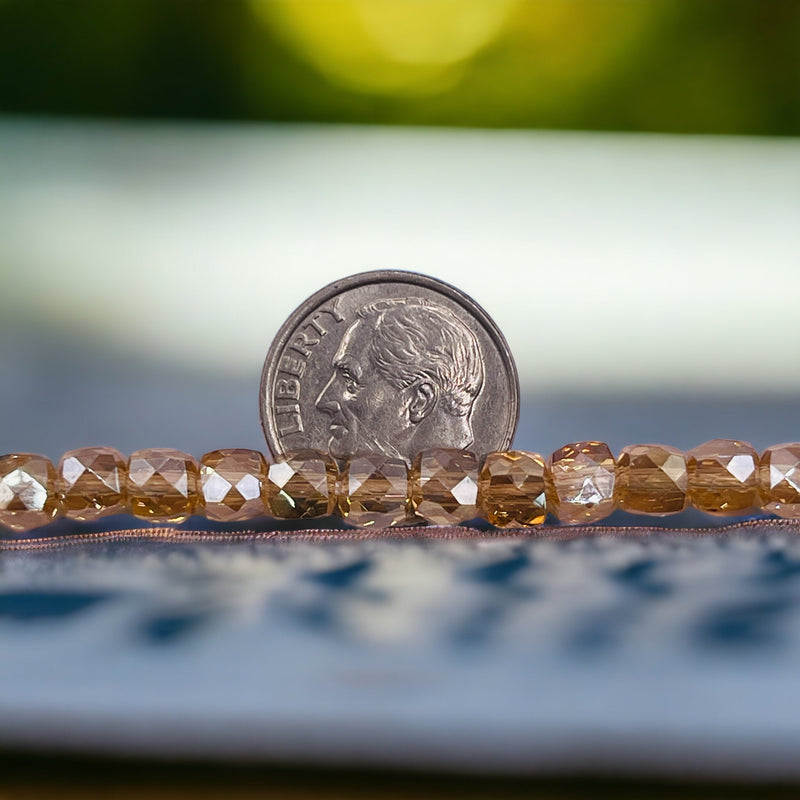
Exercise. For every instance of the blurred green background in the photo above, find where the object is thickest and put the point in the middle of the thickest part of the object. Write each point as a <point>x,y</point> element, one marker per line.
<point>696,66</point>
<point>159,219</point>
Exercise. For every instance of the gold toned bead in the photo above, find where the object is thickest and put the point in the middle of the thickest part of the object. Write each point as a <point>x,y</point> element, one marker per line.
<point>582,482</point>
<point>232,485</point>
<point>512,489</point>
<point>28,494</point>
<point>91,481</point>
<point>723,477</point>
<point>374,491</point>
<point>779,480</point>
<point>651,479</point>
<point>162,484</point>
<point>302,485</point>
<point>444,486</point>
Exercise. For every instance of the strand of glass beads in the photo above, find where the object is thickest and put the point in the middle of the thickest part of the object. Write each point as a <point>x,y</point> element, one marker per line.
<point>579,483</point>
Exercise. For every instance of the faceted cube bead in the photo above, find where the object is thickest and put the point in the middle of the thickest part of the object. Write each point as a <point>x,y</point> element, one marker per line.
<point>91,482</point>
<point>162,485</point>
<point>723,477</point>
<point>232,485</point>
<point>302,485</point>
<point>28,494</point>
<point>512,489</point>
<point>444,486</point>
<point>374,491</point>
<point>582,482</point>
<point>779,480</point>
<point>651,479</point>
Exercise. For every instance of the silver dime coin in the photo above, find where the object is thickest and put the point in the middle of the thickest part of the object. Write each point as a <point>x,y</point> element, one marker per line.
<point>389,362</point>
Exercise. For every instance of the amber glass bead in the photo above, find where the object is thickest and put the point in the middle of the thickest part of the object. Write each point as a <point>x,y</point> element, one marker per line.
<point>723,477</point>
<point>651,479</point>
<point>582,482</point>
<point>162,485</point>
<point>28,494</point>
<point>443,485</point>
<point>302,485</point>
<point>512,489</point>
<point>91,481</point>
<point>232,485</point>
<point>373,491</point>
<point>779,480</point>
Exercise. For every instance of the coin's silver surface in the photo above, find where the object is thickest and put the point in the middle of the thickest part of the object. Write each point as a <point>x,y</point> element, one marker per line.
<point>389,362</point>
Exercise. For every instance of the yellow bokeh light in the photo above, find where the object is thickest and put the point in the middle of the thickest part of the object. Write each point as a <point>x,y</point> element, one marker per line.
<point>392,47</point>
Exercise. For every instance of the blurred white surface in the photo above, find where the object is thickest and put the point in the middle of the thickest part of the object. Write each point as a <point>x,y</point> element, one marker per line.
<point>611,262</point>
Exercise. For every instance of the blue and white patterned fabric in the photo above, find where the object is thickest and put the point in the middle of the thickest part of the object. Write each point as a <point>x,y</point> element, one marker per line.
<point>660,654</point>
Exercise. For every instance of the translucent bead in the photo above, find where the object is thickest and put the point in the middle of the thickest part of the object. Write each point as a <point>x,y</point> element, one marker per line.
<point>374,491</point>
<point>512,489</point>
<point>302,485</point>
<point>779,480</point>
<point>723,477</point>
<point>28,494</point>
<point>583,482</point>
<point>444,486</point>
<point>162,485</point>
<point>91,481</point>
<point>232,485</point>
<point>651,479</point>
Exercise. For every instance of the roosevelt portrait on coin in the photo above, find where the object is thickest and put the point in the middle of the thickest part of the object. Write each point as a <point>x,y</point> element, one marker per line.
<point>405,378</point>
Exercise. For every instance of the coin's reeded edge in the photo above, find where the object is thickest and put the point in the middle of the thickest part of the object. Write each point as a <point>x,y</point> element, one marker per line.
<point>370,277</point>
